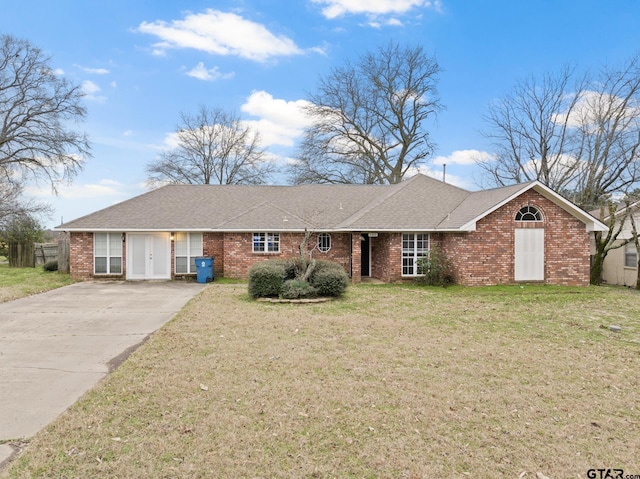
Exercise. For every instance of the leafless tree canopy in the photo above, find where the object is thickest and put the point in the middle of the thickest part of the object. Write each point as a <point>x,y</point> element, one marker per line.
<point>213,147</point>
<point>36,109</point>
<point>580,136</point>
<point>13,207</point>
<point>368,119</point>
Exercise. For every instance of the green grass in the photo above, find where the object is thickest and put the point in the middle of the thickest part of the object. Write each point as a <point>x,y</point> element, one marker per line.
<point>20,282</point>
<point>390,381</point>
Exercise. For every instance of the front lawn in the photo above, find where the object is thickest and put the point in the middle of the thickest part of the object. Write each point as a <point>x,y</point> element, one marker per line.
<point>19,282</point>
<point>392,381</point>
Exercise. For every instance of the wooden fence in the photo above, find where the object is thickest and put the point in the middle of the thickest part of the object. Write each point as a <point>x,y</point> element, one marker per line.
<point>21,255</point>
<point>45,252</point>
<point>29,255</point>
<point>63,255</point>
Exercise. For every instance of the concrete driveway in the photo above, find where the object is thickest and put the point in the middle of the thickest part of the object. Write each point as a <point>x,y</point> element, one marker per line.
<point>55,346</point>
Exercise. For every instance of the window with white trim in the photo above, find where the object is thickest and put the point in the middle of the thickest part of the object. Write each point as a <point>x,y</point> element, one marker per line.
<point>414,247</point>
<point>528,213</point>
<point>266,242</point>
<point>187,246</point>
<point>630,256</point>
<point>107,253</point>
<point>324,242</point>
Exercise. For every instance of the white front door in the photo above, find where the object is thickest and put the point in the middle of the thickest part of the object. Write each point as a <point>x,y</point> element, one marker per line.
<point>149,256</point>
<point>529,254</point>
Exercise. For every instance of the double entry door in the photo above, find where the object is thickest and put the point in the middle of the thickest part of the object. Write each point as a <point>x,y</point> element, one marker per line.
<point>148,256</point>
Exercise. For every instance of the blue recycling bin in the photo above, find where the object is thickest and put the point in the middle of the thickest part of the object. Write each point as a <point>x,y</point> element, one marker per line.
<point>204,269</point>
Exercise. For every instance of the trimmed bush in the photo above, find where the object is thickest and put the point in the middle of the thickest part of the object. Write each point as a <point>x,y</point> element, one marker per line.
<point>266,278</point>
<point>296,289</point>
<point>51,265</point>
<point>277,277</point>
<point>329,279</point>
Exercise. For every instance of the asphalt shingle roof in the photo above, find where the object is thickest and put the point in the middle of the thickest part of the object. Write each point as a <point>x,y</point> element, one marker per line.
<point>419,203</point>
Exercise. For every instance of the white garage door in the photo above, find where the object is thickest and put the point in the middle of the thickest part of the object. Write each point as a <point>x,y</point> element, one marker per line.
<point>529,254</point>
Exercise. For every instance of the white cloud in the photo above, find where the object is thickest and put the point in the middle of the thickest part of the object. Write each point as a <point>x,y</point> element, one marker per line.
<point>113,84</point>
<point>128,133</point>
<point>208,74</point>
<point>463,157</point>
<point>280,121</point>
<point>89,88</point>
<point>103,188</point>
<point>220,33</point>
<point>592,107</point>
<point>336,8</point>
<point>93,71</point>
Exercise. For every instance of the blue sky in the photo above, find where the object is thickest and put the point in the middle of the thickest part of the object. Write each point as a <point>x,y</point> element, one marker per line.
<point>143,62</point>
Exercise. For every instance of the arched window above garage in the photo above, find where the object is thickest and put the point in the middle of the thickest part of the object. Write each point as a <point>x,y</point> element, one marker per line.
<point>529,213</point>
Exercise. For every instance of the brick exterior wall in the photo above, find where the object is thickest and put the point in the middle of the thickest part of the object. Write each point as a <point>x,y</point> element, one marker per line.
<point>486,256</point>
<point>356,258</point>
<point>239,256</point>
<point>481,257</point>
<point>386,257</point>
<point>81,256</point>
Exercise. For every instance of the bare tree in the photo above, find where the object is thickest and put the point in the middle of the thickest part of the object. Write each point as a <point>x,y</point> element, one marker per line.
<point>368,119</point>
<point>212,147</point>
<point>13,205</point>
<point>581,138</point>
<point>36,107</point>
<point>533,138</point>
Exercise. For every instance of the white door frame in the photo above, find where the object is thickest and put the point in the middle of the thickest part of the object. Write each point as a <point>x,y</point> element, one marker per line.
<point>157,256</point>
<point>529,254</point>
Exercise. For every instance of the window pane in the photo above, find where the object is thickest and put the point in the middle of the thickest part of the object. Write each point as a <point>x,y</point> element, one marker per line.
<point>630,255</point>
<point>258,242</point>
<point>180,244</point>
<point>115,244</point>
<point>101,265</point>
<point>195,244</point>
<point>414,247</point>
<point>407,266</point>
<point>273,240</point>
<point>100,248</point>
<point>192,265</point>
<point>115,265</point>
<point>324,242</point>
<point>181,264</point>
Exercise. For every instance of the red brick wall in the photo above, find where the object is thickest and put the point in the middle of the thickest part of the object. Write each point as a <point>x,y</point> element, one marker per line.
<point>486,256</point>
<point>356,258</point>
<point>213,245</point>
<point>386,257</point>
<point>238,255</point>
<point>81,255</point>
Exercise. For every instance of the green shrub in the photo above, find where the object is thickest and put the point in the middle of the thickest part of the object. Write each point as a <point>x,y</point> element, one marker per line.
<point>296,289</point>
<point>266,278</point>
<point>330,279</point>
<point>436,268</point>
<point>51,265</point>
<point>277,277</point>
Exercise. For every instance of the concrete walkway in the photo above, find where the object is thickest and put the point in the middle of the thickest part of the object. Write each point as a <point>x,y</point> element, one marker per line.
<point>57,345</point>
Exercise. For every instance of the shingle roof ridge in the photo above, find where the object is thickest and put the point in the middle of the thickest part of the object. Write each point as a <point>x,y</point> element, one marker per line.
<point>394,189</point>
